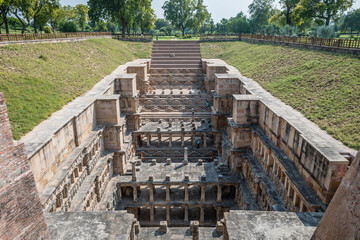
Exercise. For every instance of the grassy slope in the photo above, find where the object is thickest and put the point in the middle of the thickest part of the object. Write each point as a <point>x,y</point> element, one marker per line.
<point>324,86</point>
<point>39,79</point>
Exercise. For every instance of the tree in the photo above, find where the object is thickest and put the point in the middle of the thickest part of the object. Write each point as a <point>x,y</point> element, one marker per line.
<point>4,11</point>
<point>38,7</point>
<point>121,12</point>
<point>351,21</point>
<point>185,14</point>
<point>68,26</point>
<point>261,11</point>
<point>160,23</point>
<point>145,16</point>
<point>239,24</point>
<point>201,16</point>
<point>285,16</point>
<point>82,15</point>
<point>222,26</point>
<point>322,11</point>
<point>21,10</point>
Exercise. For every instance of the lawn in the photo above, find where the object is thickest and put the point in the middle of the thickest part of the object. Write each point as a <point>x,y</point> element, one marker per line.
<point>324,86</point>
<point>39,79</point>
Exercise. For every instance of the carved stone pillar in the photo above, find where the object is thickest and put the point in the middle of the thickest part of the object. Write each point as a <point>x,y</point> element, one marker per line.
<point>204,140</point>
<point>151,193</point>
<point>186,214</point>
<point>135,199</point>
<point>202,198</point>
<point>159,140</point>
<point>201,214</point>
<point>167,193</point>
<point>152,214</point>
<point>186,189</point>
<point>133,168</point>
<point>168,214</point>
<point>218,213</point>
<point>148,140</point>
<point>170,140</point>
<point>182,139</point>
<point>218,199</point>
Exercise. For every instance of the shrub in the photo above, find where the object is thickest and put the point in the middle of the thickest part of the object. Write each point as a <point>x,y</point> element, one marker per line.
<point>47,29</point>
<point>68,26</point>
<point>326,32</point>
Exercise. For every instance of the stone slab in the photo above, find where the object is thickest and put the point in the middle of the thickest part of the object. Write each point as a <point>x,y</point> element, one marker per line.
<point>90,225</point>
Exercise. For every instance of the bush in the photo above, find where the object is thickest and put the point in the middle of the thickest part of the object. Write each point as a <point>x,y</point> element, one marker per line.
<point>326,32</point>
<point>47,29</point>
<point>68,26</point>
<point>288,30</point>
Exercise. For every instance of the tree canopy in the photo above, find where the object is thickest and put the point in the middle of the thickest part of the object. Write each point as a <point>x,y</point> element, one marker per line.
<point>185,14</point>
<point>322,11</point>
<point>122,12</point>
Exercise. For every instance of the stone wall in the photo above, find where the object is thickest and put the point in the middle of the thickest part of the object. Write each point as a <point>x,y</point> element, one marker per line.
<point>21,216</point>
<point>342,218</point>
<point>317,156</point>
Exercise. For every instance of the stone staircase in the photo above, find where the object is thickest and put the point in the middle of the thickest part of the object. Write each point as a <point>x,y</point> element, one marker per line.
<point>176,57</point>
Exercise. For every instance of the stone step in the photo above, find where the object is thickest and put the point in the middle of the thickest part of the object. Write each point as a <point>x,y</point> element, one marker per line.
<point>175,65</point>
<point>175,42</point>
<point>176,61</point>
<point>176,52</point>
<point>182,48</point>
<point>179,58</point>
<point>186,55</point>
<point>175,70</point>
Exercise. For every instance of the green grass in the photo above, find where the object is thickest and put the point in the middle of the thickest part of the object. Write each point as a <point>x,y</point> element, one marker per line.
<point>39,79</point>
<point>324,86</point>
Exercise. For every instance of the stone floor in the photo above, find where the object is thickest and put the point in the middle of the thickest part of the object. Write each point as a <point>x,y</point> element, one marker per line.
<point>90,225</point>
<point>176,234</point>
<point>271,225</point>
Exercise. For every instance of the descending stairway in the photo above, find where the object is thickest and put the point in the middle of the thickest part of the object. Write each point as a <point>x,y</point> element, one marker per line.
<point>176,54</point>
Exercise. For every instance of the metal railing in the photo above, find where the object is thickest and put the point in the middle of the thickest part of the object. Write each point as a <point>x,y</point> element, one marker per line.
<point>43,36</point>
<point>323,42</point>
<point>134,37</point>
<point>334,43</point>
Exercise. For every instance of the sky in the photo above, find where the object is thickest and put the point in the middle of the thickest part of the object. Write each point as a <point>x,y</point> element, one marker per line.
<point>218,8</point>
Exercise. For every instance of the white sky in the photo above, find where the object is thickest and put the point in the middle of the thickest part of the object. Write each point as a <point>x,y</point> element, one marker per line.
<point>218,8</point>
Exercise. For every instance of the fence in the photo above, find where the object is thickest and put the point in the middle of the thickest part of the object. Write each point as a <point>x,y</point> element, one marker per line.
<point>335,43</point>
<point>44,36</point>
<point>134,37</point>
<point>322,42</point>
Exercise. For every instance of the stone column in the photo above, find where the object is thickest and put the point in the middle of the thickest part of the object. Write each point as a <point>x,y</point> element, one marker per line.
<point>201,214</point>
<point>152,214</point>
<point>202,198</point>
<point>148,140</point>
<point>168,214</point>
<point>170,140</point>
<point>204,139</point>
<point>186,161</point>
<point>133,162</point>
<point>135,199</point>
<point>186,189</point>
<point>186,213</point>
<point>159,139</point>
<point>135,139</point>
<point>218,213</point>
<point>119,193</point>
<point>182,139</point>
<point>151,192</point>
<point>193,139</point>
<point>219,192</point>
<point>167,193</point>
